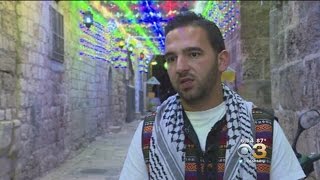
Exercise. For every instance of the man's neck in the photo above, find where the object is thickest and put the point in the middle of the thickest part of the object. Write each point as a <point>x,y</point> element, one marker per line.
<point>206,103</point>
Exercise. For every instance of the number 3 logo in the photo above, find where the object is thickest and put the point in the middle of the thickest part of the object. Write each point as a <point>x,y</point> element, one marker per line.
<point>260,151</point>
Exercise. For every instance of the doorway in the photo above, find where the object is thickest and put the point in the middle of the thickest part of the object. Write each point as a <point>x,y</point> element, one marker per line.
<point>159,71</point>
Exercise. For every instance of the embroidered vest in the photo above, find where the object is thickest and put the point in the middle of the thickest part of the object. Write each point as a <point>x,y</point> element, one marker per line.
<point>210,164</point>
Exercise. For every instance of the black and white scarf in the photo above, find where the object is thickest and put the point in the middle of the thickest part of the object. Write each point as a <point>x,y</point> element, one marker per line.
<point>167,140</point>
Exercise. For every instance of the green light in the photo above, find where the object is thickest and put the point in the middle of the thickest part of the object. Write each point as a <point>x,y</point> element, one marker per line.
<point>123,5</point>
<point>207,8</point>
<point>165,65</point>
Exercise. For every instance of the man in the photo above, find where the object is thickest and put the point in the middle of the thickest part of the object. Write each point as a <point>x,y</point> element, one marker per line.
<point>206,130</point>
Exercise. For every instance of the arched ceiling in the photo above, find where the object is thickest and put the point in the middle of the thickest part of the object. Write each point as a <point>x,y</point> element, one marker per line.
<point>140,24</point>
<point>144,21</point>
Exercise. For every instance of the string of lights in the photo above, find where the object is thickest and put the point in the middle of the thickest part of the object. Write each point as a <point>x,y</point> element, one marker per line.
<point>225,14</point>
<point>115,21</point>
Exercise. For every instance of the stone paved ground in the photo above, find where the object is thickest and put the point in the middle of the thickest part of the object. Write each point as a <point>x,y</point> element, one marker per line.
<point>101,160</point>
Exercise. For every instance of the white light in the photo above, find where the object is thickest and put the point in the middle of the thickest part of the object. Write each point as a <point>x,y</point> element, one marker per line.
<point>88,20</point>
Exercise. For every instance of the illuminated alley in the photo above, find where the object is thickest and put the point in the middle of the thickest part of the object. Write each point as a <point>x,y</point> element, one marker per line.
<point>77,77</point>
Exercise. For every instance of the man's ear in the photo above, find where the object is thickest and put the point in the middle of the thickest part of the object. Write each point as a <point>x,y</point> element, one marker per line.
<point>223,60</point>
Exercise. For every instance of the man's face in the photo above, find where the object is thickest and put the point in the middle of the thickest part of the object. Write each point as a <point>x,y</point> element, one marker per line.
<point>192,63</point>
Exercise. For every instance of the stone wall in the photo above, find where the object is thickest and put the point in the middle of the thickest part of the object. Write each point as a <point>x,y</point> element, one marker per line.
<point>253,53</point>
<point>233,46</point>
<point>295,64</point>
<point>9,124</point>
<point>49,109</point>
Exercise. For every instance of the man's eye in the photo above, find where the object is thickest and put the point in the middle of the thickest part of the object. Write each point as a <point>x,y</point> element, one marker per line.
<point>194,54</point>
<point>170,59</point>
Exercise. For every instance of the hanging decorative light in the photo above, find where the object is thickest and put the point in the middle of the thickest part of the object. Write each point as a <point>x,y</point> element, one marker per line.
<point>130,48</point>
<point>121,44</point>
<point>88,19</point>
<point>141,55</point>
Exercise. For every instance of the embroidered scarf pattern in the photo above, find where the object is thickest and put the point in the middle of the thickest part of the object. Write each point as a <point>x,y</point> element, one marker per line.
<point>167,149</point>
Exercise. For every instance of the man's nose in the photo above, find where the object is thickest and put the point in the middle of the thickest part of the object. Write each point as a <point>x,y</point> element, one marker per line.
<point>182,65</point>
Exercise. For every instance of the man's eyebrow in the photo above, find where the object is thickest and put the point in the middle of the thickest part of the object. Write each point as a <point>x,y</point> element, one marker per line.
<point>184,50</point>
<point>168,53</point>
<point>192,49</point>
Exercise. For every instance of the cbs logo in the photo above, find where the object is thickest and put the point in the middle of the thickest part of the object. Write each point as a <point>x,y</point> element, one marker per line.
<point>258,151</point>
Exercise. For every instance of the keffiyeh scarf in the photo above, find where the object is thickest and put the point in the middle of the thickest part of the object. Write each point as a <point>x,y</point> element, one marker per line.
<point>167,140</point>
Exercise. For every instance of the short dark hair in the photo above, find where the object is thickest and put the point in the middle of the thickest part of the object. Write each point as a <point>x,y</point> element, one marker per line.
<point>189,18</point>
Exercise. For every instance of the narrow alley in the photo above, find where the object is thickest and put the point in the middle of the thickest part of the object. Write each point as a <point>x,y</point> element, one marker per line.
<point>76,77</point>
<point>101,160</point>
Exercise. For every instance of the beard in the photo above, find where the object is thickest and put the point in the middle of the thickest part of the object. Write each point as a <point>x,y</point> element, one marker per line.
<point>202,88</point>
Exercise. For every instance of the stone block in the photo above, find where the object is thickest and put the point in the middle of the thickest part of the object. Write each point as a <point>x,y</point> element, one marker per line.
<point>275,88</point>
<point>12,44</point>
<point>5,164</point>
<point>35,72</point>
<point>16,123</point>
<point>2,115</point>
<point>26,41</point>
<point>312,22</point>
<point>257,91</point>
<point>48,162</point>
<point>3,103</point>
<point>6,128</point>
<point>22,113</point>
<point>9,20</point>
<point>279,51</point>
<point>8,114</point>
<point>309,8</point>
<point>275,22</point>
<point>41,140</point>
<point>291,86</point>
<point>26,70</point>
<point>10,100</point>
<point>3,42</point>
<point>310,93</point>
<point>7,63</point>
<point>27,132</point>
<point>23,85</point>
<point>295,43</point>
<point>41,88</point>
<point>23,9</point>
<point>307,42</point>
<point>288,121</point>
<point>23,24</point>
<point>23,99</point>
<point>290,16</point>
<point>75,85</point>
